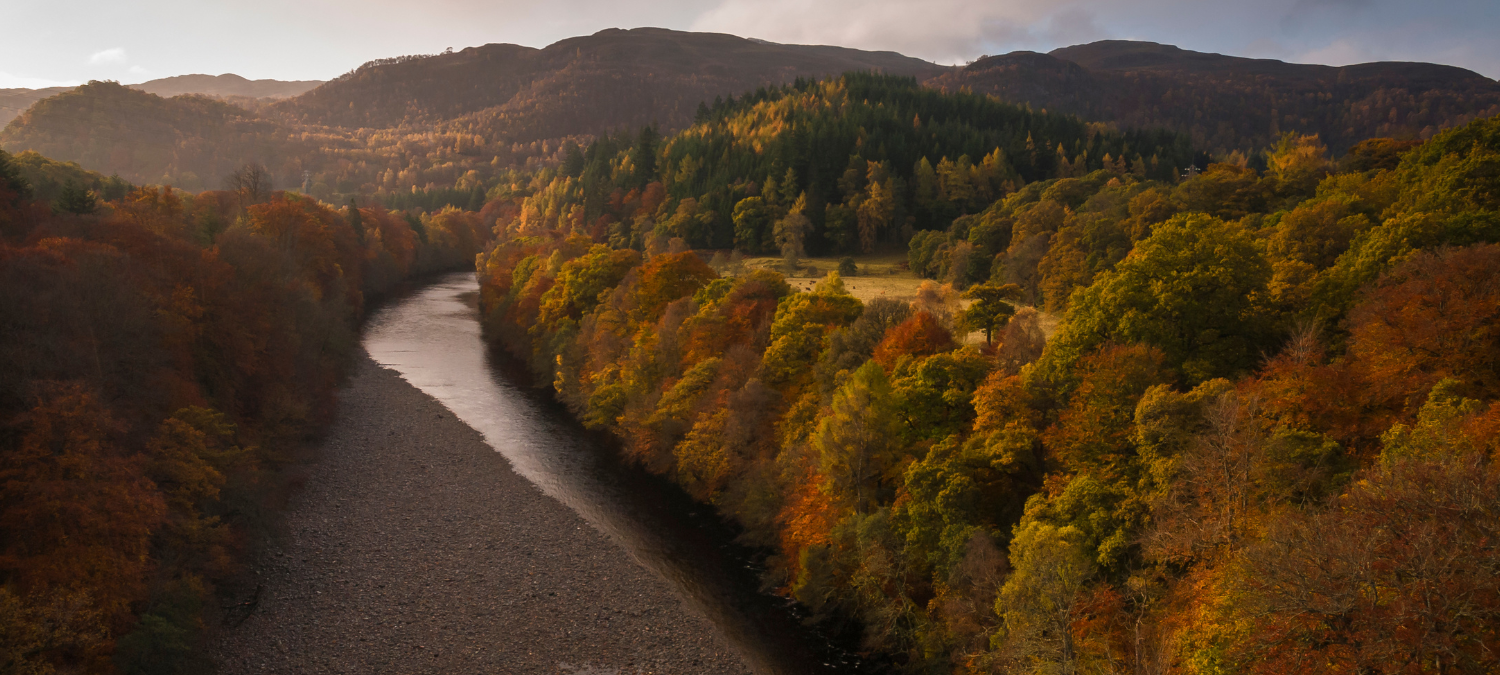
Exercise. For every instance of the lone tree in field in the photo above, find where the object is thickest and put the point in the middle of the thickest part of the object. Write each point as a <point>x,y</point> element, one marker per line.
<point>991,310</point>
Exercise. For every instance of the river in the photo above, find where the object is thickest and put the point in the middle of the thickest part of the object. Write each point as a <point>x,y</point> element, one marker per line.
<point>431,337</point>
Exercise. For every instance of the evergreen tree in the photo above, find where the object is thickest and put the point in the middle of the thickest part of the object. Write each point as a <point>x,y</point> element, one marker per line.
<point>356,222</point>
<point>644,157</point>
<point>573,162</point>
<point>10,177</point>
<point>76,199</point>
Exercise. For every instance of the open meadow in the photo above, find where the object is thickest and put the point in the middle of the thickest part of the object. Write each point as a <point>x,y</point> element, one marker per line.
<point>881,275</point>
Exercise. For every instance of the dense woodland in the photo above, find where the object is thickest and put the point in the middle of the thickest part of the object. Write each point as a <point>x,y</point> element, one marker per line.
<point>166,357</point>
<point>822,167</point>
<point>1262,440</point>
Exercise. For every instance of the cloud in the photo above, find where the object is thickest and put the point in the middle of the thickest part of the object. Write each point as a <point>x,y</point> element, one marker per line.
<point>1340,52</point>
<point>1073,26</point>
<point>264,44</point>
<point>8,81</point>
<point>946,31</point>
<point>108,56</point>
<point>1266,48</point>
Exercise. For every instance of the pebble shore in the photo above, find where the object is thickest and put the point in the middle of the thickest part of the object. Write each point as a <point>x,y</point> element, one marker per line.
<point>414,548</point>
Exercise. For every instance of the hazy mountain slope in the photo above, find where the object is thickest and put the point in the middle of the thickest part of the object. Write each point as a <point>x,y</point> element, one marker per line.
<point>436,121</point>
<point>581,85</point>
<point>227,84</point>
<point>189,140</point>
<point>47,177</point>
<point>13,102</point>
<point>1228,102</point>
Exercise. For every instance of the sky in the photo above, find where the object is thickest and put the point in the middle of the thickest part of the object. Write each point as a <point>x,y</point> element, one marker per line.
<point>66,42</point>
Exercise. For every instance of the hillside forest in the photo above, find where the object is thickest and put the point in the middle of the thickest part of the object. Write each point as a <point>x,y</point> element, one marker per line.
<point>1261,438</point>
<point>433,130</point>
<point>1261,441</point>
<point>166,357</point>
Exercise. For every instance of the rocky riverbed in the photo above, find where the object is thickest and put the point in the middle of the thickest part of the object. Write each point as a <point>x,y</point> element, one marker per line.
<point>414,548</point>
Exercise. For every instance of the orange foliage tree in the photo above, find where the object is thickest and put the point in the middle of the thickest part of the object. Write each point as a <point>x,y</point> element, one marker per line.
<point>921,335</point>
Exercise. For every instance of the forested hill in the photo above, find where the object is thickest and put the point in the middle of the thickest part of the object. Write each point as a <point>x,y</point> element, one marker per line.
<point>1229,103</point>
<point>1264,439</point>
<point>166,358</point>
<point>453,124</point>
<point>13,102</point>
<point>860,160</point>
<point>188,141</point>
<point>646,75</point>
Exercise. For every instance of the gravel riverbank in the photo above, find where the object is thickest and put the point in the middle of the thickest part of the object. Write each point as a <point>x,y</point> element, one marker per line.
<point>414,548</point>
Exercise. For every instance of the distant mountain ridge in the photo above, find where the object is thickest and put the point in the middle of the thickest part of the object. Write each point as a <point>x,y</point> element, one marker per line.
<point>1135,55</point>
<point>13,102</point>
<point>458,118</point>
<point>189,141</point>
<point>227,84</point>
<point>1231,103</point>
<point>645,75</point>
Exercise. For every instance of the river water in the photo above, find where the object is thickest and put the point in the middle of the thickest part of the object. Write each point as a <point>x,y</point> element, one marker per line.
<point>432,338</point>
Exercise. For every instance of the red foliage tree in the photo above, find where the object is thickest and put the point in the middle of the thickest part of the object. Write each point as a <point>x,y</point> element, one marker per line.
<point>1094,430</point>
<point>1436,315</point>
<point>921,335</point>
<point>76,508</point>
<point>667,277</point>
<point>1402,577</point>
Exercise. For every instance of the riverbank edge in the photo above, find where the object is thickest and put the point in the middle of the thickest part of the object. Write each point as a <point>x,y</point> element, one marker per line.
<point>401,494</point>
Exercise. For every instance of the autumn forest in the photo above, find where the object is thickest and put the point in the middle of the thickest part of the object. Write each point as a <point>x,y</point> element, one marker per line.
<point>1165,396</point>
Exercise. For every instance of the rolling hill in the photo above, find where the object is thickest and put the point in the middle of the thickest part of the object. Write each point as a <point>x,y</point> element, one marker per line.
<point>188,141</point>
<point>446,115</point>
<point>13,102</point>
<point>440,120</point>
<point>1230,103</point>
<point>226,85</point>
<point>645,75</point>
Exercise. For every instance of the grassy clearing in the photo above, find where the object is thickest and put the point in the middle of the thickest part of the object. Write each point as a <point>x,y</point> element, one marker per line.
<point>881,275</point>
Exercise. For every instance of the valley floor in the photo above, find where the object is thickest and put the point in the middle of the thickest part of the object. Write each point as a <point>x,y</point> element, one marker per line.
<point>414,548</point>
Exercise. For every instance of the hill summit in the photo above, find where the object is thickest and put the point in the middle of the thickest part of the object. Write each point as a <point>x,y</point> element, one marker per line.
<point>1229,103</point>
<point>584,85</point>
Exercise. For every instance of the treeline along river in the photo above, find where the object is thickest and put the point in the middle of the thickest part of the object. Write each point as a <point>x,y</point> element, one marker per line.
<point>432,338</point>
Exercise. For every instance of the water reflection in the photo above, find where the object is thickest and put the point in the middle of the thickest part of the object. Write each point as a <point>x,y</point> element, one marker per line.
<point>432,338</point>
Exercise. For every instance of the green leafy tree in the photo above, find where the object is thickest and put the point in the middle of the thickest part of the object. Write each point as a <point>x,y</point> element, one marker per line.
<point>1040,600</point>
<point>752,220</point>
<point>857,441</point>
<point>936,392</point>
<point>1192,290</point>
<point>1449,195</point>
